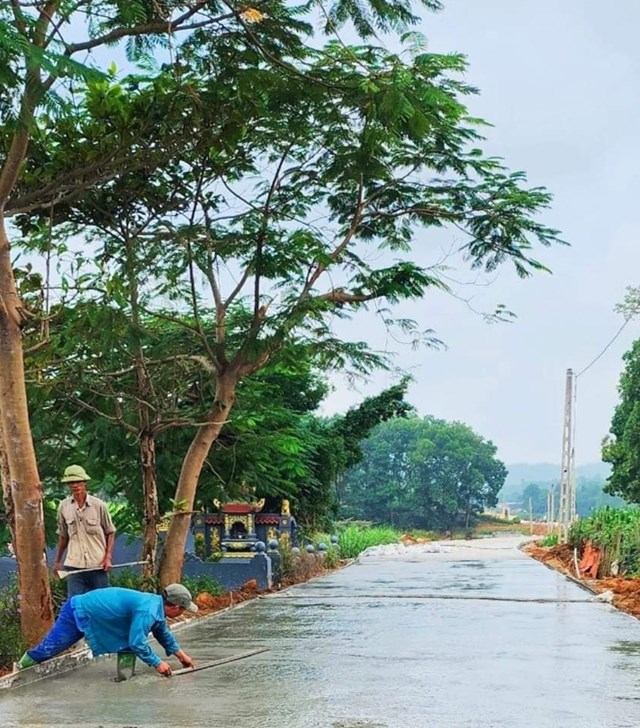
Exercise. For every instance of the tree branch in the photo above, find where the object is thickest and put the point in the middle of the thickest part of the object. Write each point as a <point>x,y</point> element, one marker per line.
<point>422,211</point>
<point>339,295</point>
<point>168,317</point>
<point>319,268</point>
<point>184,423</point>
<point>192,281</point>
<point>221,310</point>
<point>33,91</point>
<point>239,287</point>
<point>154,28</point>
<point>18,17</point>
<point>201,360</point>
<point>257,319</point>
<point>37,347</point>
<point>118,420</point>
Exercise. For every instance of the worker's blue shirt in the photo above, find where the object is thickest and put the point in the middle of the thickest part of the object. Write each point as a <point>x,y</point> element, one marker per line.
<point>115,619</point>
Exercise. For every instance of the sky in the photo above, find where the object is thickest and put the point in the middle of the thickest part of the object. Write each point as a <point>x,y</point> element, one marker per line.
<point>558,81</point>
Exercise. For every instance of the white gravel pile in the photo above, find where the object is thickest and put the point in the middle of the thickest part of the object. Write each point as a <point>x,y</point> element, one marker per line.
<point>499,547</point>
<point>401,549</point>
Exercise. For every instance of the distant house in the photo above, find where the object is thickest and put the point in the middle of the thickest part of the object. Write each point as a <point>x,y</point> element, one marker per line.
<point>502,511</point>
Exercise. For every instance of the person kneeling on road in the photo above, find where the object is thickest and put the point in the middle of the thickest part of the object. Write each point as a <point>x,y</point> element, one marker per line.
<point>117,620</point>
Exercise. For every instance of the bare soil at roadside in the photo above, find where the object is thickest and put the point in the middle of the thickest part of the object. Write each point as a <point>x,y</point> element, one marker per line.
<point>626,590</point>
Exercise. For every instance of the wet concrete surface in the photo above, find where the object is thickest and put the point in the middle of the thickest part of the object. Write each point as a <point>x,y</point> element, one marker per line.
<point>384,643</point>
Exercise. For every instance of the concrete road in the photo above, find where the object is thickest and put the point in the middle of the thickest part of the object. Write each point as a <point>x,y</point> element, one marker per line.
<point>448,640</point>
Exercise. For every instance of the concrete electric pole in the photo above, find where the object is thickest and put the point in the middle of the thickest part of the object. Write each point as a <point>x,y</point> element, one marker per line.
<point>551,520</point>
<point>567,512</point>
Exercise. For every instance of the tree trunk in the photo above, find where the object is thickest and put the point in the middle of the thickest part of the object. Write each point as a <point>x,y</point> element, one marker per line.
<point>26,492</point>
<point>151,508</point>
<point>173,552</point>
<point>146,430</point>
<point>5,482</point>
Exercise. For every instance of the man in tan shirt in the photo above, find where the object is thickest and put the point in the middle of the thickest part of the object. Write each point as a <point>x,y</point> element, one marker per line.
<point>86,532</point>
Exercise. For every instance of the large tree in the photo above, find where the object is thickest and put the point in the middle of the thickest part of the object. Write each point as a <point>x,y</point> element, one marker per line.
<point>87,398</point>
<point>383,152</point>
<point>424,473</point>
<point>344,154</point>
<point>621,447</point>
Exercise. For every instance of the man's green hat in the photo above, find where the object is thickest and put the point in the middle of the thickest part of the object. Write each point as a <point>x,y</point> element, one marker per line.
<point>75,474</point>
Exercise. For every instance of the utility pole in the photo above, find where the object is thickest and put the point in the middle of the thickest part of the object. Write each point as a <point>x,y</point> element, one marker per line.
<point>550,510</point>
<point>567,470</point>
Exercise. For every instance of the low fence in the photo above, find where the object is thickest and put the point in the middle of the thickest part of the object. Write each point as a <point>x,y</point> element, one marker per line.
<point>230,573</point>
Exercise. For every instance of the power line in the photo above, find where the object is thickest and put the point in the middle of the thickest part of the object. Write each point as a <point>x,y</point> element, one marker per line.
<point>567,509</point>
<point>620,330</point>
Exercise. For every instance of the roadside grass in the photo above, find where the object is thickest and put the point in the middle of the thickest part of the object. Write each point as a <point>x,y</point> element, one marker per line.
<point>354,539</point>
<point>488,524</point>
<point>424,534</point>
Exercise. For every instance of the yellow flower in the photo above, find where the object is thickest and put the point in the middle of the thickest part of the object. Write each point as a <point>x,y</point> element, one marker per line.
<point>251,15</point>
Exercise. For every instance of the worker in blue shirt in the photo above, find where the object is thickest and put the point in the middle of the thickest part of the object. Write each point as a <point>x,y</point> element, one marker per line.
<point>117,620</point>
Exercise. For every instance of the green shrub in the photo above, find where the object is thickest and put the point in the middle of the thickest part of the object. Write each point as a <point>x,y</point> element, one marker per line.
<point>296,568</point>
<point>11,645</point>
<point>331,558</point>
<point>200,584</point>
<point>550,540</point>
<point>58,594</point>
<point>430,535</point>
<point>355,539</point>
<point>286,561</point>
<point>320,537</point>
<point>130,579</point>
<point>616,531</point>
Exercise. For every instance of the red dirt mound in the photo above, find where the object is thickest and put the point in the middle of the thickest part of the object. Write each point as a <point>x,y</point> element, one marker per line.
<point>626,591</point>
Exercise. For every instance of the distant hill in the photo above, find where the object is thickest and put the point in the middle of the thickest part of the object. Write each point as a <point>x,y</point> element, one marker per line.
<point>528,485</point>
<point>547,472</point>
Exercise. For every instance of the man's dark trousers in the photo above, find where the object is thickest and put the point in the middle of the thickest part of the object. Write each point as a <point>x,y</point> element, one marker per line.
<point>83,582</point>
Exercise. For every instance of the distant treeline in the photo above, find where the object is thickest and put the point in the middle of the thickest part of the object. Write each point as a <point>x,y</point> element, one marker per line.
<point>590,496</point>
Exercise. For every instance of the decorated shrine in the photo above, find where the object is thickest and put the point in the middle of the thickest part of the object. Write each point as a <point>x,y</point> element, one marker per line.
<point>234,529</point>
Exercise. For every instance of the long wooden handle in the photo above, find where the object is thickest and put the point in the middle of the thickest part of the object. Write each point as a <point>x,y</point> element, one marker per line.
<point>64,574</point>
<point>221,661</point>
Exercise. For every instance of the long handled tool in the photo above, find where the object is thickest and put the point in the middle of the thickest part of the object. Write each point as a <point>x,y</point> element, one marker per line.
<point>126,664</point>
<point>217,663</point>
<point>63,573</point>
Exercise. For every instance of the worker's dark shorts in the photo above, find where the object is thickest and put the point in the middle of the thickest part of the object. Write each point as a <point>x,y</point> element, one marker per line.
<point>85,582</point>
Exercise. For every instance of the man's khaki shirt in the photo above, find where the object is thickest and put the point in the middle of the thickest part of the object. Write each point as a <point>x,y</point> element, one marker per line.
<point>87,529</point>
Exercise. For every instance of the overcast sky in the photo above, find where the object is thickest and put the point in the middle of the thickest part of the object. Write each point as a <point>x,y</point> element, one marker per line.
<point>559,81</point>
